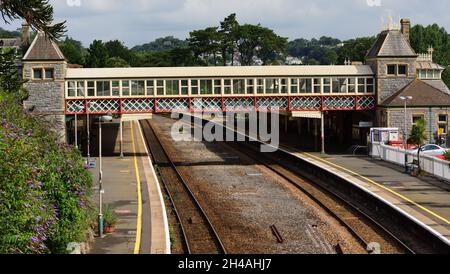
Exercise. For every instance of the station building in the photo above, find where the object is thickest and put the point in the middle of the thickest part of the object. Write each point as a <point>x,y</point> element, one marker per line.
<point>339,103</point>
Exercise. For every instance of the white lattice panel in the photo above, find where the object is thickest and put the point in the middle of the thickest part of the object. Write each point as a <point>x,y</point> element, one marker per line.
<point>104,106</point>
<point>172,105</point>
<point>210,104</point>
<point>366,102</point>
<point>75,106</point>
<point>239,104</point>
<point>306,103</point>
<point>138,105</point>
<point>339,103</point>
<point>273,103</point>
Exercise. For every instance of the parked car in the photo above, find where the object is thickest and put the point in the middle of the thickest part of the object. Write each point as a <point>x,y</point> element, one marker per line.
<point>431,150</point>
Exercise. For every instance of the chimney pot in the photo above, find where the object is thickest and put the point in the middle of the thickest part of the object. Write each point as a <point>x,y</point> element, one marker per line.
<point>406,28</point>
<point>25,35</point>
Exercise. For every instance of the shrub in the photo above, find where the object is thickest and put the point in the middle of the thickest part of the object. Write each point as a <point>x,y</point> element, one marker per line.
<point>45,192</point>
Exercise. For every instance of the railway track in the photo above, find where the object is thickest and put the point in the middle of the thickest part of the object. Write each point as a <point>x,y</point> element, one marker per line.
<point>366,230</point>
<point>198,233</point>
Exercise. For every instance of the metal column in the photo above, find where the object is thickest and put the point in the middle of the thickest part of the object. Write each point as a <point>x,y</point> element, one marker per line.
<point>322,132</point>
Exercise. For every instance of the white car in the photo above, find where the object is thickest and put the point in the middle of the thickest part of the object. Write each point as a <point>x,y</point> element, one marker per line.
<point>431,150</point>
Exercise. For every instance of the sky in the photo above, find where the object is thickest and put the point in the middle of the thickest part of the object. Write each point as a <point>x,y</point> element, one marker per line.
<point>140,21</point>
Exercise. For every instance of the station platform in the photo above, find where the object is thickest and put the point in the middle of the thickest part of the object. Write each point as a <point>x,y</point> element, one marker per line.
<point>424,199</point>
<point>132,192</point>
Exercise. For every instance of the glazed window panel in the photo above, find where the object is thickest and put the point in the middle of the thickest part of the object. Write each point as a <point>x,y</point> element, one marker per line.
<point>227,86</point>
<point>71,89</point>
<point>184,87</point>
<point>351,85</point>
<point>91,88</point>
<point>361,85</point>
<point>284,86</point>
<point>317,85</point>
<point>402,69</point>
<point>115,87</point>
<point>306,85</point>
<point>294,86</point>
<point>250,86</point>
<point>194,87</point>
<point>37,74</point>
<point>272,85</point>
<point>172,87</point>
<point>370,87</point>
<point>391,69</point>
<point>429,74</point>
<point>238,86</point>
<point>80,88</point>
<point>160,87</point>
<point>150,87</point>
<point>206,87</point>
<point>260,86</point>
<point>103,88</point>
<point>126,88</point>
<point>326,85</point>
<point>49,73</point>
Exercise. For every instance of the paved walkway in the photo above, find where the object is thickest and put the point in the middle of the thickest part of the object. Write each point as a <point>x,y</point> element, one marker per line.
<point>426,199</point>
<point>132,191</point>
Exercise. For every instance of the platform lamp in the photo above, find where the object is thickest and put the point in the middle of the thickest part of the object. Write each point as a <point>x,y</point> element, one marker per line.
<point>405,141</point>
<point>105,118</point>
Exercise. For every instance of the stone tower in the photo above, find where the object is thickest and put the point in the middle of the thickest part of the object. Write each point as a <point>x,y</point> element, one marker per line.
<point>44,70</point>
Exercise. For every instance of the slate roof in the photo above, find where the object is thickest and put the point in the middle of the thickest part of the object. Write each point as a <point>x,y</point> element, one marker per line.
<point>43,48</point>
<point>423,94</point>
<point>391,43</point>
<point>437,83</point>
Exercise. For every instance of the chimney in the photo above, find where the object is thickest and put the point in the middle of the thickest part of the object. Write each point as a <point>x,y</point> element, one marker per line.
<point>406,28</point>
<point>25,35</point>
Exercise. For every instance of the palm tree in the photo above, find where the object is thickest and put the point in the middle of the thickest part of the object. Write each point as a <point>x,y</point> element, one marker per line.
<point>418,137</point>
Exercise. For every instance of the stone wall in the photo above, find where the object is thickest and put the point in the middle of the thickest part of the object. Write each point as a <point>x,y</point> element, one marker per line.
<point>396,119</point>
<point>46,97</point>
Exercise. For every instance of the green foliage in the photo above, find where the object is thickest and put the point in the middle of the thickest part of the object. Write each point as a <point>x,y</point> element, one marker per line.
<point>9,79</point>
<point>418,134</point>
<point>322,51</point>
<point>38,13</point>
<point>44,189</point>
<point>97,55</point>
<point>116,62</point>
<point>161,44</point>
<point>73,50</point>
<point>109,216</point>
<point>117,49</point>
<point>10,34</point>
<point>355,49</point>
<point>447,155</point>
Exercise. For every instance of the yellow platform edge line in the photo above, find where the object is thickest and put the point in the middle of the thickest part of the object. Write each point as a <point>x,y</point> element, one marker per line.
<point>380,186</point>
<point>137,244</point>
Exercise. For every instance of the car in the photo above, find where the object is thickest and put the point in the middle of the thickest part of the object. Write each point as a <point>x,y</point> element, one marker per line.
<point>431,150</point>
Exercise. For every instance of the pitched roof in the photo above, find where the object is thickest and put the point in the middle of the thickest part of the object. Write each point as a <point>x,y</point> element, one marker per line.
<point>437,83</point>
<point>391,43</point>
<point>423,94</point>
<point>43,48</point>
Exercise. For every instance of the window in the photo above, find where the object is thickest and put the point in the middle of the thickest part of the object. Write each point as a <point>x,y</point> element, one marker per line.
<point>284,86</point>
<point>217,86</point>
<point>422,73</point>
<point>227,86</point>
<point>317,85</point>
<point>194,87</point>
<point>37,74</point>
<point>351,85</point>
<point>238,86</point>
<point>250,86</point>
<point>137,88</point>
<point>80,88</point>
<point>429,74</point>
<point>370,85</point>
<point>391,69</point>
<point>306,85</point>
<point>126,88</point>
<point>272,85</point>
<point>103,88</point>
<point>294,86</point>
<point>184,87</point>
<point>442,124</point>
<point>402,69</point>
<point>115,87</point>
<point>71,89</point>
<point>260,86</point>
<point>206,87</point>
<point>326,85</point>
<point>150,87</point>
<point>443,118</point>
<point>339,85</point>
<point>160,87</point>
<point>172,87</point>
<point>91,88</point>
<point>49,73</point>
<point>361,85</point>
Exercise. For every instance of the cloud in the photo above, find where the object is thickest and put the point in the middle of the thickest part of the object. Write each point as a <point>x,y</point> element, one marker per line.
<point>141,21</point>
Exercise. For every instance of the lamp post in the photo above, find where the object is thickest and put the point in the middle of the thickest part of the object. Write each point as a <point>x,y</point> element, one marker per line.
<point>105,118</point>
<point>405,138</point>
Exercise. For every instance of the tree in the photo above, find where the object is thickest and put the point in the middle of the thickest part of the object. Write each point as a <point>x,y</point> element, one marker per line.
<point>355,49</point>
<point>38,13</point>
<point>117,49</point>
<point>73,50</point>
<point>229,37</point>
<point>161,44</point>
<point>116,62</point>
<point>10,81</point>
<point>418,137</point>
<point>97,55</point>
<point>272,47</point>
<point>205,43</point>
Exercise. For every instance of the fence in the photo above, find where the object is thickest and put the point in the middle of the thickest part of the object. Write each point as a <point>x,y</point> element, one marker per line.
<point>432,165</point>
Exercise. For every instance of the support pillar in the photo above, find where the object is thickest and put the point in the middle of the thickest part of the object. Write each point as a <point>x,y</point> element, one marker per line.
<point>316,134</point>
<point>121,138</point>
<point>322,132</point>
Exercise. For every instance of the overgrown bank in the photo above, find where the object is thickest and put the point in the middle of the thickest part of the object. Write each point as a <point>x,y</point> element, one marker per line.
<point>45,191</point>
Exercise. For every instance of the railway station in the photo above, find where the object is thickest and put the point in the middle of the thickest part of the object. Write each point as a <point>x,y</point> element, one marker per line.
<point>324,110</point>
